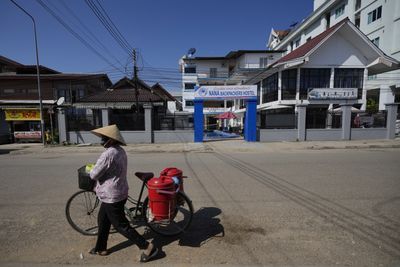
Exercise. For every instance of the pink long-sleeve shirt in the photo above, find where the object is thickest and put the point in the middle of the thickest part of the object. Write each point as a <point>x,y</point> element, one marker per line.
<point>110,172</point>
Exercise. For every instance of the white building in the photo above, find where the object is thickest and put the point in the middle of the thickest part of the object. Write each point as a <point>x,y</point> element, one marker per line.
<point>379,20</point>
<point>234,68</point>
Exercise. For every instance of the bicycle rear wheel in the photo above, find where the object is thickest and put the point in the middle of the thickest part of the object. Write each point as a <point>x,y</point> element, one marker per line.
<point>81,211</point>
<point>179,223</point>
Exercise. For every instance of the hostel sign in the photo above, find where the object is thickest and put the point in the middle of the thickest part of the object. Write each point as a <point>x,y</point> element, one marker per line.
<point>333,94</point>
<point>226,92</point>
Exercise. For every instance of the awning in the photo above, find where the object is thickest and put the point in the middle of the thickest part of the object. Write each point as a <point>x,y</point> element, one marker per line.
<point>50,102</point>
<point>381,65</point>
<point>339,110</point>
<point>275,106</point>
<point>103,105</point>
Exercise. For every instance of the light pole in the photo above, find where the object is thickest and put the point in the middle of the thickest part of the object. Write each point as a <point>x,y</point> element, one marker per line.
<point>37,71</point>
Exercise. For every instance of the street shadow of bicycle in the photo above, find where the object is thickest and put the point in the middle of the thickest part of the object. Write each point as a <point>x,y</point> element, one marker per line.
<point>204,227</point>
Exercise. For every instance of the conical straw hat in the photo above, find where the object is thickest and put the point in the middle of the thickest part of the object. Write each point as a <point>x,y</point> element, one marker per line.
<point>110,131</point>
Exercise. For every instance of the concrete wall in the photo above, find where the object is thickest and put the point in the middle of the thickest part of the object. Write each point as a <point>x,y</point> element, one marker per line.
<point>177,136</point>
<point>82,137</point>
<point>271,135</point>
<point>323,134</point>
<point>368,133</point>
<point>135,137</point>
<point>274,135</point>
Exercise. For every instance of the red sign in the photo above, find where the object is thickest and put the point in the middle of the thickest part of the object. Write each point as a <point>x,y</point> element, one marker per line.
<point>28,135</point>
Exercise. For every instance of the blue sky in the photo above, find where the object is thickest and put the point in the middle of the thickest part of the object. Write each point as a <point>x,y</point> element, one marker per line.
<point>161,30</point>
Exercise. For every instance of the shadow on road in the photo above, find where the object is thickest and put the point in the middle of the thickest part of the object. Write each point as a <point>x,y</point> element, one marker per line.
<point>204,227</point>
<point>6,151</point>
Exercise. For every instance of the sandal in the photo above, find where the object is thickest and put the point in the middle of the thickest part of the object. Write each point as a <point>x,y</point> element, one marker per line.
<point>145,258</point>
<point>93,251</point>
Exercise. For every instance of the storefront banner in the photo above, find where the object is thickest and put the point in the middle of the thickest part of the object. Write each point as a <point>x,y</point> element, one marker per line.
<point>28,135</point>
<point>332,94</point>
<point>226,92</point>
<point>22,114</point>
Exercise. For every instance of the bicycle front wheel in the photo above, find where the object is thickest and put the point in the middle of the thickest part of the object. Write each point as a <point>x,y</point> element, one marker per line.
<point>180,220</point>
<point>81,211</point>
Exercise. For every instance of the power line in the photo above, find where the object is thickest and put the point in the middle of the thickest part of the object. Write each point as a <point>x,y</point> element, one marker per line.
<point>75,34</point>
<point>90,34</point>
<point>110,26</point>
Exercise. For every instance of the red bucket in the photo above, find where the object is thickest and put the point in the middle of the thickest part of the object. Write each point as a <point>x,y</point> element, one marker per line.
<point>162,197</point>
<point>174,172</point>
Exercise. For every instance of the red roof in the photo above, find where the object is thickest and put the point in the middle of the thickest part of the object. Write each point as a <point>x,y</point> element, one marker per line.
<point>302,50</point>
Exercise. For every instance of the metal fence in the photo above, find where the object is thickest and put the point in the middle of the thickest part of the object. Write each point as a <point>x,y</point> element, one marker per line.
<point>172,122</point>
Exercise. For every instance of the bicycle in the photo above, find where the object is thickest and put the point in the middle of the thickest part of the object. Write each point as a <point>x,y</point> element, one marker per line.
<point>82,209</point>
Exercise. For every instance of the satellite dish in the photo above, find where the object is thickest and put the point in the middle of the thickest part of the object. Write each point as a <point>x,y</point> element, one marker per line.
<point>60,101</point>
<point>191,52</point>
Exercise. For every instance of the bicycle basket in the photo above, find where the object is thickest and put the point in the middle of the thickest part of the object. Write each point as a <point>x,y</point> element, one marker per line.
<point>84,181</point>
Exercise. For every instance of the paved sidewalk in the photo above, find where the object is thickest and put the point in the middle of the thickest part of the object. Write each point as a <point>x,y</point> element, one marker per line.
<point>225,145</point>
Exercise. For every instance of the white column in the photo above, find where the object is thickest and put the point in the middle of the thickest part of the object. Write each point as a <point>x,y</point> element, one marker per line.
<point>301,122</point>
<point>148,123</point>
<point>364,91</point>
<point>391,120</point>
<point>279,85</point>
<point>346,121</point>
<point>62,127</point>
<point>298,84</point>
<point>104,117</point>
<point>332,78</point>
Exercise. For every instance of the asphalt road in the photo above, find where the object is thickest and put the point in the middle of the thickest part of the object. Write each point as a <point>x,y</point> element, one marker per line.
<point>295,208</point>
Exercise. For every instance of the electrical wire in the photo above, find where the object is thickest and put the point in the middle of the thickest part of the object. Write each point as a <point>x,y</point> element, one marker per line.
<point>76,35</point>
<point>89,34</point>
<point>110,26</point>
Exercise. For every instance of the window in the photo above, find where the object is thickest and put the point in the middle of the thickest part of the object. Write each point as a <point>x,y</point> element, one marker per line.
<point>349,78</point>
<point>190,69</point>
<point>357,20</point>
<point>328,20</point>
<point>297,43</point>
<point>263,62</point>
<point>313,78</point>
<point>289,80</point>
<point>358,4</point>
<point>189,103</point>
<point>213,72</point>
<point>339,11</point>
<point>270,88</point>
<point>374,15</point>
<point>376,41</point>
<point>258,93</point>
<point>189,86</point>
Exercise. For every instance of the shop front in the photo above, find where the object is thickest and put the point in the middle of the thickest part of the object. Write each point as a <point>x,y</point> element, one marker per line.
<point>24,124</point>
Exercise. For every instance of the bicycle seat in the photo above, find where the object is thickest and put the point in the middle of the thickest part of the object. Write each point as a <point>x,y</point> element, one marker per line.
<point>144,176</point>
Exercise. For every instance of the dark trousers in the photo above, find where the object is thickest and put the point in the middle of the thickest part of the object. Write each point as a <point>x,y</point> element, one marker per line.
<point>113,213</point>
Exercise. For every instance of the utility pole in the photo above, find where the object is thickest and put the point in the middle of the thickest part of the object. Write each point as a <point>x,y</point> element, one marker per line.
<point>37,71</point>
<point>135,77</point>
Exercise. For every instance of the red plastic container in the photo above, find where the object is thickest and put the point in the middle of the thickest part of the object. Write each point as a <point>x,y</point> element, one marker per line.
<point>162,197</point>
<point>174,172</point>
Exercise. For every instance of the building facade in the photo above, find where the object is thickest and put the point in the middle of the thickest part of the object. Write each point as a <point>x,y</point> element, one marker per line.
<point>379,20</point>
<point>233,69</point>
<point>19,100</point>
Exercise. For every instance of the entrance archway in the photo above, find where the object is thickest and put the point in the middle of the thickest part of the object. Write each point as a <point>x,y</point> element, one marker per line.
<point>224,92</point>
